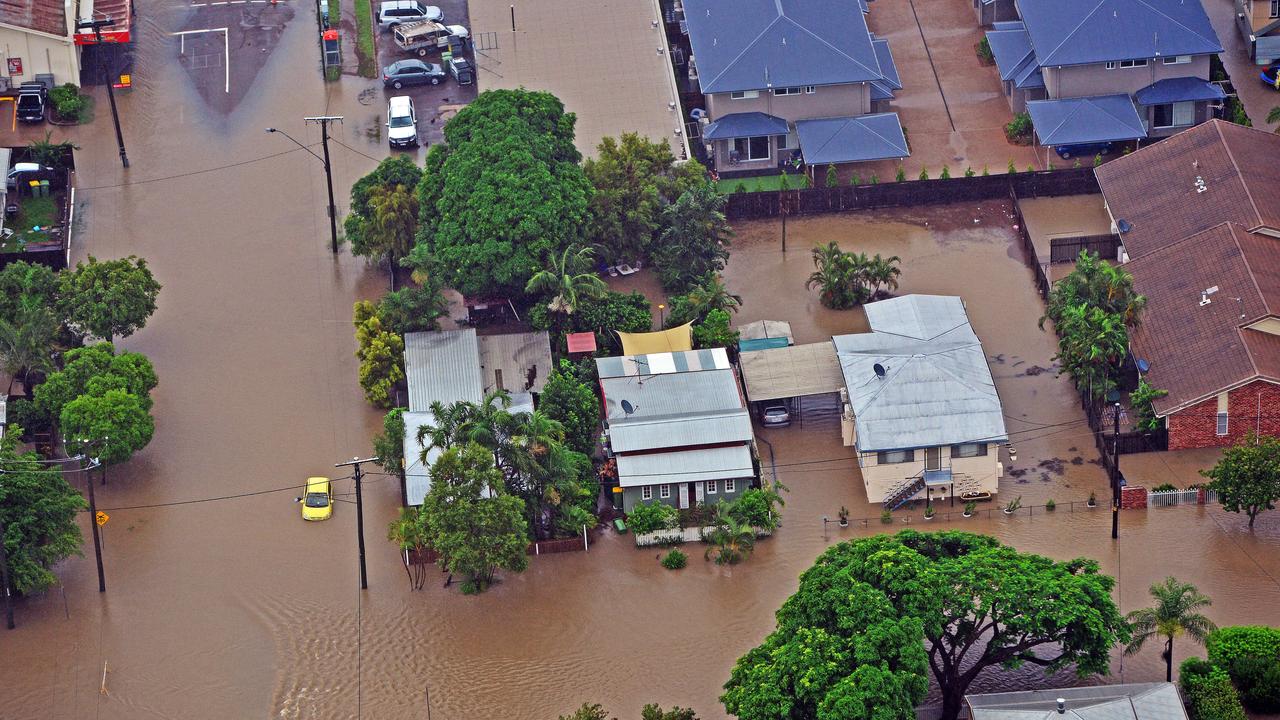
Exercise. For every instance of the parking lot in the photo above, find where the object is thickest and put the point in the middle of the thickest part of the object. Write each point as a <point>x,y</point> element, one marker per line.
<point>434,104</point>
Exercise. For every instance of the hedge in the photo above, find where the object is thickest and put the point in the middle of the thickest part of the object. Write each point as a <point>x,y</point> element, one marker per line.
<point>650,516</point>
<point>1209,692</point>
<point>1227,644</point>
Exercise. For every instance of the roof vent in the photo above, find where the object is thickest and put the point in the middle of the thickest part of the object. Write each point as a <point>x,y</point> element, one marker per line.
<point>1204,295</point>
<point>1200,186</point>
<point>880,370</point>
<point>1062,705</point>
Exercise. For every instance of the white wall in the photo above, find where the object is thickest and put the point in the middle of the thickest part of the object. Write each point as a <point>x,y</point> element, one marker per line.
<point>879,480</point>
<point>40,54</point>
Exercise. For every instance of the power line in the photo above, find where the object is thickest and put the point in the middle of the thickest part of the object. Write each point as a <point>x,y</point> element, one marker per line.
<point>339,142</point>
<point>194,172</point>
<point>211,499</point>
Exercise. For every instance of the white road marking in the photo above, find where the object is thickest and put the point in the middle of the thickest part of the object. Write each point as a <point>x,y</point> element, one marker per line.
<point>226,47</point>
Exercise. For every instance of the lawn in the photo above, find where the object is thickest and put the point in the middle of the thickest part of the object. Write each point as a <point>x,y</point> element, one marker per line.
<point>32,212</point>
<point>763,182</point>
<point>364,39</point>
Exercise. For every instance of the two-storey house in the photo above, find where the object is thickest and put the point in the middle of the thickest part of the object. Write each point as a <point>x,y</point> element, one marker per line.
<point>790,79</point>
<point>1100,71</point>
<point>1259,25</point>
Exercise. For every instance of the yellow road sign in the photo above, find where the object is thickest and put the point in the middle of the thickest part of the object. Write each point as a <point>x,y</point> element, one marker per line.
<point>102,518</point>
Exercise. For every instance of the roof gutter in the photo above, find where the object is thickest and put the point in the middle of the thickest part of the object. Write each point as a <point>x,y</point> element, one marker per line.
<point>1236,386</point>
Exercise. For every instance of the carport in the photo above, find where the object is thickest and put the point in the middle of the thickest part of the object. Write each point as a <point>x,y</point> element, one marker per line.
<point>789,374</point>
<point>1085,120</point>
<point>841,140</point>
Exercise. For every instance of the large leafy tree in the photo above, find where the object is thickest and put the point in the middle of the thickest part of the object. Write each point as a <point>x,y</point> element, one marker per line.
<point>395,171</point>
<point>694,241</point>
<point>1174,613</point>
<point>574,405</point>
<point>502,192</point>
<point>1096,284</point>
<point>606,315</point>
<point>115,423</point>
<point>475,527</point>
<point>388,445</point>
<point>109,297</point>
<point>978,603</point>
<point>392,224</point>
<point>94,370</point>
<point>381,355</point>
<point>1247,478</point>
<point>38,509</point>
<point>634,180</point>
<point>714,332</point>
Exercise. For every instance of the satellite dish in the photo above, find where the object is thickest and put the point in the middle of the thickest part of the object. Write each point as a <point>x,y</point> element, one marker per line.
<point>627,407</point>
<point>1143,365</point>
<point>880,369</point>
<point>1123,226</point>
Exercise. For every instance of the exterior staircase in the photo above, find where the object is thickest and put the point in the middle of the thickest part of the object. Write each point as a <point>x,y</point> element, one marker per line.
<point>903,492</point>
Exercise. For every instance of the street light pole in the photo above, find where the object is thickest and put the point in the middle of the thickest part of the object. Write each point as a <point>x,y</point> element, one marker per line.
<point>356,462</point>
<point>96,26</point>
<point>1115,475</point>
<point>324,121</point>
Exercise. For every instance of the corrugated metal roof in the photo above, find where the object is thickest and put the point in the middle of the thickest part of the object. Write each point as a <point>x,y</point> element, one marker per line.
<point>1073,121</point>
<point>442,366</point>
<point>795,371</point>
<point>756,44</point>
<point>937,389</point>
<point>662,363</point>
<point>1183,89</point>
<point>1094,31</point>
<point>671,395</point>
<point>654,433</point>
<point>717,463</point>
<point>522,359</point>
<point>765,329</point>
<point>417,479</point>
<point>1135,701</point>
<point>852,139</point>
<point>747,124</point>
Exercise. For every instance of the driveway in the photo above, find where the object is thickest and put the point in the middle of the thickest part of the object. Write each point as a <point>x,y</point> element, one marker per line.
<point>1258,99</point>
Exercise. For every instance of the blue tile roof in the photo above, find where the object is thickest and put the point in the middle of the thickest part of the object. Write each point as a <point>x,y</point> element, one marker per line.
<point>1015,59</point>
<point>1181,89</point>
<point>852,139</point>
<point>752,44</point>
<point>1078,32</point>
<point>888,68</point>
<point>1074,121</point>
<point>747,124</point>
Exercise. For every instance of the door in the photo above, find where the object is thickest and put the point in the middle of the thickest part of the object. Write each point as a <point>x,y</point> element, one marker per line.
<point>700,495</point>
<point>933,458</point>
<point>684,495</point>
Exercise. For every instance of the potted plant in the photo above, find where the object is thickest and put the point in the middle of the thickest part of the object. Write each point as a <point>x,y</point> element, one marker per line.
<point>844,516</point>
<point>1093,500</point>
<point>1012,506</point>
<point>969,508</point>
<point>886,517</point>
<point>928,512</point>
<point>1049,505</point>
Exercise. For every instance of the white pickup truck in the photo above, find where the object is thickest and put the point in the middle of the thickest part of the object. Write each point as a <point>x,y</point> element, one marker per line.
<point>428,37</point>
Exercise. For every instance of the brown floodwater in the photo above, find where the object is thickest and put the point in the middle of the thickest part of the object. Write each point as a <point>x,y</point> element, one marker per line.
<point>238,609</point>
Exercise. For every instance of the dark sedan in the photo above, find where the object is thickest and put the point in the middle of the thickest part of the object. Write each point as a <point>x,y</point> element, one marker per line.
<point>412,72</point>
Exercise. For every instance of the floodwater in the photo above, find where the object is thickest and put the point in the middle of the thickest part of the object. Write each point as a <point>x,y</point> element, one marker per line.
<point>236,608</point>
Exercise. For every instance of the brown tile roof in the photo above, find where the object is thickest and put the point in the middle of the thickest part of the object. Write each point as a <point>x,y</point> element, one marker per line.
<point>1154,189</point>
<point>47,16</point>
<point>1196,351</point>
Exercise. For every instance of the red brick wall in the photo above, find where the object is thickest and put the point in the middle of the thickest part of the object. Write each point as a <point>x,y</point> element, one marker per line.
<point>1133,497</point>
<point>1196,426</point>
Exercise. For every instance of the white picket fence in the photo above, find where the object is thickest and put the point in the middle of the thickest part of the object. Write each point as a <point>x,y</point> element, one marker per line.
<point>1168,498</point>
<point>676,536</point>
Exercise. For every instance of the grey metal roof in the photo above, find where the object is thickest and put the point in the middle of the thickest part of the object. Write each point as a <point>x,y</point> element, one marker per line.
<point>522,359</point>
<point>795,371</point>
<point>662,363</point>
<point>1135,701</point>
<point>1011,47</point>
<point>442,366</point>
<point>1093,31</point>
<point>757,44</point>
<point>747,124</point>
<point>937,389</point>
<point>1183,89</point>
<point>852,139</point>
<point>1073,121</point>
<point>416,475</point>
<point>765,329</point>
<point>888,68</point>
<point>670,395</point>
<point>713,463</point>
<point>658,432</point>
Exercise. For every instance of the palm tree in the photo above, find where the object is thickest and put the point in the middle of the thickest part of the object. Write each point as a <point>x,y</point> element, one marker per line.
<point>1097,284</point>
<point>25,344</point>
<point>711,294</point>
<point>730,541</point>
<point>832,276</point>
<point>883,273</point>
<point>1174,614</point>
<point>567,280</point>
<point>409,534</point>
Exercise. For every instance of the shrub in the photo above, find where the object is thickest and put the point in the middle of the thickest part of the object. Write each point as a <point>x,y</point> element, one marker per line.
<point>1164,487</point>
<point>968,172</point>
<point>902,174</point>
<point>875,179</point>
<point>924,174</point>
<point>929,511</point>
<point>755,507</point>
<point>985,171</point>
<point>32,419</point>
<point>1012,168</point>
<point>886,517</point>
<point>1097,160</point>
<point>946,173</point>
<point>1018,127</point>
<point>969,507</point>
<point>741,187</point>
<point>855,180</point>
<point>1227,644</point>
<point>1077,165</point>
<point>1208,691</point>
<point>1258,680</point>
<point>650,516</point>
<point>1050,505</point>
<point>832,179</point>
<point>675,559</point>
<point>1093,499</point>
<point>68,102</point>
<point>984,51</point>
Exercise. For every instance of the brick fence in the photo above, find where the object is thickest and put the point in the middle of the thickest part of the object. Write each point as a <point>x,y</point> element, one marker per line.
<point>1133,497</point>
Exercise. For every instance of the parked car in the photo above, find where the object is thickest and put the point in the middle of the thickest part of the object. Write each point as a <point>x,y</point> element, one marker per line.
<point>462,71</point>
<point>1067,152</point>
<point>32,97</point>
<point>393,13</point>
<point>1271,75</point>
<point>424,38</point>
<point>317,501</point>
<point>18,170</point>
<point>775,416</point>
<point>402,122</point>
<point>411,72</point>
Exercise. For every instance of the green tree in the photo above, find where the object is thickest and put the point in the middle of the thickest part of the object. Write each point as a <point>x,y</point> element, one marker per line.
<point>1091,345</point>
<point>381,354</point>
<point>833,180</point>
<point>831,276</point>
<point>634,179</point>
<point>566,280</point>
<point>574,405</point>
<point>1099,284</point>
<point>1247,478</point>
<point>714,332</point>
<point>605,316</point>
<point>115,423</point>
<point>94,370</point>
<point>25,285</point>
<point>977,604</point>
<point>901,175</point>
<point>26,344</point>
<point>391,226</point>
<point>1274,117</point>
<point>881,273</point>
<point>1175,613</point>
<point>709,294</point>
<point>694,241</point>
<point>730,541</point>
<point>413,308</point>
<point>654,712</point>
<point>38,512</point>
<point>409,533</point>
<point>475,535</point>
<point>397,170</point>
<point>1141,400</point>
<point>502,192</point>
<point>388,445</point>
<point>588,712</point>
<point>108,298</point>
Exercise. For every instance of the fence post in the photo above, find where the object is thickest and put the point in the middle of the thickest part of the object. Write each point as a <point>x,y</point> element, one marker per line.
<point>585,547</point>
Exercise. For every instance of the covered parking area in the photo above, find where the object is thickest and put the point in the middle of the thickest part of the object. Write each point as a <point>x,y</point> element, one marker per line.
<point>786,375</point>
<point>843,140</point>
<point>1085,121</point>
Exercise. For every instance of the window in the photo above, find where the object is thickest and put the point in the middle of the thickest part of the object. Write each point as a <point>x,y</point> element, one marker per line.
<point>895,456</point>
<point>729,485</point>
<point>744,95</point>
<point>969,450</point>
<point>1169,115</point>
<point>1181,59</point>
<point>1275,8</point>
<point>787,91</point>
<point>711,487</point>
<point>646,493</point>
<point>664,491</point>
<point>788,142</point>
<point>811,89</point>
<point>752,148</point>
<point>1222,414</point>
<point>1112,65</point>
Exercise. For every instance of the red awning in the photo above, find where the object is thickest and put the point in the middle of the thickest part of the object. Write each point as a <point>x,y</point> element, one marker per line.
<point>119,10</point>
<point>583,342</point>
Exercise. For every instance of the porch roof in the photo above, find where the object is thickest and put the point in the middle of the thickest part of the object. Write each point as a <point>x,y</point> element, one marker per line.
<point>747,124</point>
<point>1183,89</point>
<point>852,139</point>
<point>1076,121</point>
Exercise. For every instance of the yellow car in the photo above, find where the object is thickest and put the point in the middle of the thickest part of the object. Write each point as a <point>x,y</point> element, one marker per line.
<point>317,503</point>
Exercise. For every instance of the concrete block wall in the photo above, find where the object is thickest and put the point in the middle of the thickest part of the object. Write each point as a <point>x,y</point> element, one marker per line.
<point>1196,426</point>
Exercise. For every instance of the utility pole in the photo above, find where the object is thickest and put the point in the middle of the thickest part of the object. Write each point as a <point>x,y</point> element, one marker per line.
<point>4,578</point>
<point>96,26</point>
<point>1115,475</point>
<point>356,462</point>
<point>324,121</point>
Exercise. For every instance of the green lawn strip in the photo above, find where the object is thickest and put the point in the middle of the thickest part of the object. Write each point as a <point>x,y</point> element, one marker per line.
<point>364,39</point>
<point>763,182</point>
<point>32,212</point>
